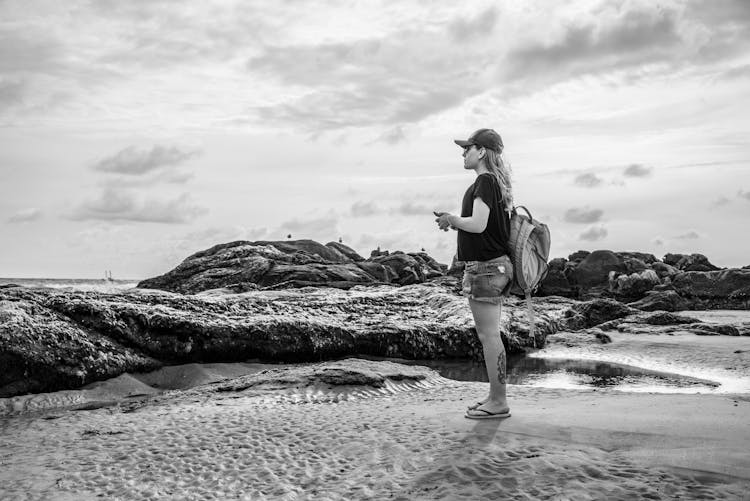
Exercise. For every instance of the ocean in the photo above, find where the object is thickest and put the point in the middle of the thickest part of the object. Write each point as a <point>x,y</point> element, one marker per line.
<point>82,284</point>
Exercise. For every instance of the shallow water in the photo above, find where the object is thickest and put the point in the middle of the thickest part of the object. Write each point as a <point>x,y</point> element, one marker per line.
<point>572,374</point>
<point>660,363</point>
<point>687,359</point>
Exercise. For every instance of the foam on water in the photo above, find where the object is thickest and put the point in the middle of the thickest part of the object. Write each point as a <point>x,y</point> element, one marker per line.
<point>79,284</point>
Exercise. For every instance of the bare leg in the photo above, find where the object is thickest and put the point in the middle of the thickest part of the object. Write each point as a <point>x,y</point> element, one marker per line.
<point>487,321</point>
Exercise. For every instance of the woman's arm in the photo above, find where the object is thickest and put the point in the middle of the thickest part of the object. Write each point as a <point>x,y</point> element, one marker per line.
<point>476,223</point>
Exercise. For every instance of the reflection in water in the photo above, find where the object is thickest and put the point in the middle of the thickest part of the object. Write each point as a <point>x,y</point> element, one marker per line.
<point>557,373</point>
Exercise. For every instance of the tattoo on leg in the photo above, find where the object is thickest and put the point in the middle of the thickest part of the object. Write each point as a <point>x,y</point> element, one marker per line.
<point>501,367</point>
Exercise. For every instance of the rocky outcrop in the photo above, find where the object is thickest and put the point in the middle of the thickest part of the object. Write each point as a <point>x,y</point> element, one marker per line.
<point>585,325</point>
<point>714,289</point>
<point>690,262</point>
<point>667,300</point>
<point>51,340</point>
<point>41,349</point>
<point>594,269</point>
<point>241,266</point>
<point>626,276</point>
<point>595,312</point>
<point>633,286</point>
<point>678,282</point>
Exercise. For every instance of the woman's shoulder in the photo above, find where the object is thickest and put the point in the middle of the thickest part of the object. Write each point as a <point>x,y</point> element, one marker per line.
<point>486,178</point>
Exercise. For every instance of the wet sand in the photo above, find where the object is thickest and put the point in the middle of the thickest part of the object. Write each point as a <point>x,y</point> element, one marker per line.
<point>407,440</point>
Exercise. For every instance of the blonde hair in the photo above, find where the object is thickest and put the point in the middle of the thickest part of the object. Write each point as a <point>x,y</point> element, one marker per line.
<point>499,167</point>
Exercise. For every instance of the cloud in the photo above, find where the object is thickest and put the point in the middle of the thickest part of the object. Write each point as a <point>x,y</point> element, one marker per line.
<point>113,205</point>
<point>480,26</point>
<point>132,161</point>
<point>129,181</point>
<point>11,93</point>
<point>587,180</point>
<point>326,227</point>
<point>403,77</point>
<point>412,209</point>
<point>637,170</point>
<point>690,235</point>
<point>394,135</point>
<point>658,241</point>
<point>364,209</point>
<point>719,202</point>
<point>585,216</point>
<point>744,194</point>
<point>631,39</point>
<point>28,49</point>
<point>25,215</point>
<point>213,235</point>
<point>737,72</point>
<point>593,234</point>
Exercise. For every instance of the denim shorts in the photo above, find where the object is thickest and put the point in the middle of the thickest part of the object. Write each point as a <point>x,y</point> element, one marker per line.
<point>488,281</point>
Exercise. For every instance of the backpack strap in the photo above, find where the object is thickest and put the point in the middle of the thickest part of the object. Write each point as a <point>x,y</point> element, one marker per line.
<point>530,315</point>
<point>515,209</point>
<point>526,228</point>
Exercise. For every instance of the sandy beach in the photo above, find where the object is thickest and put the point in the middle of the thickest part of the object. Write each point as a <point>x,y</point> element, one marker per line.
<point>288,438</point>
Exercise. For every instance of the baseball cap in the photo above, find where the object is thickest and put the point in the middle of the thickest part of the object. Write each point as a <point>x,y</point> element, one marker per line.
<point>486,138</point>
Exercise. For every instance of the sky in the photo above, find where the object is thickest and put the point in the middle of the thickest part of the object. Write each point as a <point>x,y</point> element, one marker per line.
<point>133,134</point>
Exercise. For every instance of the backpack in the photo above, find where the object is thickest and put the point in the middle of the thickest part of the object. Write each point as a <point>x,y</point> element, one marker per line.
<point>529,250</point>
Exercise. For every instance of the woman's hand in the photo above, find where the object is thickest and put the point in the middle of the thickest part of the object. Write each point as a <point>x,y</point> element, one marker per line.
<point>442,220</point>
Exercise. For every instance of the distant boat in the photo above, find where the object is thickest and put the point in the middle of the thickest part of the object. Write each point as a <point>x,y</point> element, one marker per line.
<point>108,276</point>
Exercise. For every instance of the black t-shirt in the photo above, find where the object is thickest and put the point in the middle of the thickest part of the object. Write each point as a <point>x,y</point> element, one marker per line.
<point>493,241</point>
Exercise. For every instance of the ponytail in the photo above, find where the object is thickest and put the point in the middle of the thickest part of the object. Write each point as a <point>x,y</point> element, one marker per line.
<point>499,167</point>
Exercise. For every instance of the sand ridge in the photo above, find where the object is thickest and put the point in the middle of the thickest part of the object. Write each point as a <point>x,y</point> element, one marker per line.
<point>406,439</point>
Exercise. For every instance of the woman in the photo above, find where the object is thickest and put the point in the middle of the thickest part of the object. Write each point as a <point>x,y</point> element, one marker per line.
<point>483,233</point>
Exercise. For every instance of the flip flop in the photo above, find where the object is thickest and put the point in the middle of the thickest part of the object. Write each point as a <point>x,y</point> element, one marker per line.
<point>472,407</point>
<point>486,414</point>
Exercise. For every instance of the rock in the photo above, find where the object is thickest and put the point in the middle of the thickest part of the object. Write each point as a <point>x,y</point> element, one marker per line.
<point>706,329</point>
<point>41,350</point>
<point>242,265</point>
<point>57,339</point>
<point>634,265</point>
<point>326,253</point>
<point>381,273</point>
<point>408,270</point>
<point>430,267</point>
<point>578,256</point>
<point>692,262</point>
<point>602,337</point>
<point>348,252</point>
<point>633,286</point>
<point>727,289</point>
<point>556,282</point>
<point>672,259</point>
<point>667,300</point>
<point>348,372</point>
<point>595,312</point>
<point>594,269</point>
<point>314,274</point>
<point>667,318</point>
<point>456,269</point>
<point>664,270</point>
<point>647,259</point>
